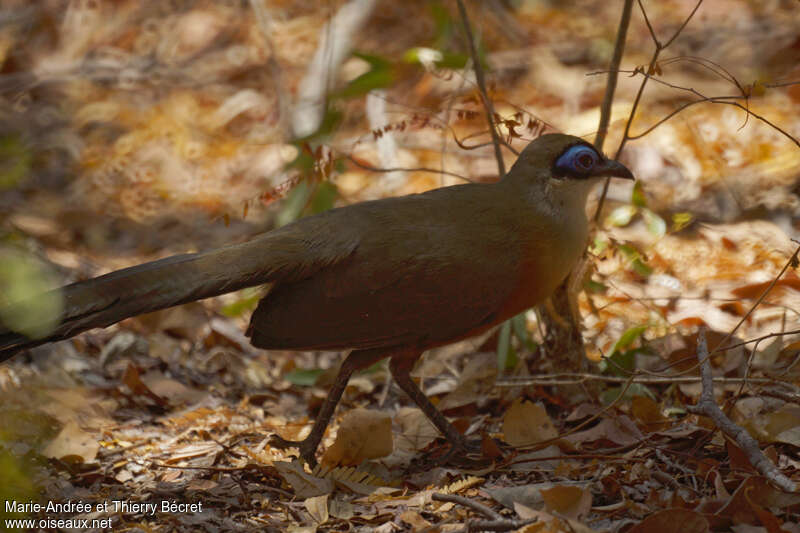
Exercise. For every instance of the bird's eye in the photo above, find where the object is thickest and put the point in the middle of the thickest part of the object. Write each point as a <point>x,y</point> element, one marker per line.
<point>578,160</point>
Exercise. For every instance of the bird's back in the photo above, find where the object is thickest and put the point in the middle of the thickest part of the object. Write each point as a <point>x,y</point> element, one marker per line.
<point>425,270</point>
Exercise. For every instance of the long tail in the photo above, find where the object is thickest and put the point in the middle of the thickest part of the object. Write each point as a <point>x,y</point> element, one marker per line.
<point>105,300</point>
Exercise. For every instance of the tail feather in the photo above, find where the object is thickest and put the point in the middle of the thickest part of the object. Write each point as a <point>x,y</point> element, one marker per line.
<point>285,254</point>
<point>105,300</point>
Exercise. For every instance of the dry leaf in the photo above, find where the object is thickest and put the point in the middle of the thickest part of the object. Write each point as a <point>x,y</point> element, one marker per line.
<point>73,441</point>
<point>526,423</point>
<point>317,507</point>
<point>672,521</point>
<point>304,484</point>
<point>363,434</point>
<point>570,501</point>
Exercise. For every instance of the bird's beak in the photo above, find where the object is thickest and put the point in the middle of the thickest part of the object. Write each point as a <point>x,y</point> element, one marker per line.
<point>611,168</point>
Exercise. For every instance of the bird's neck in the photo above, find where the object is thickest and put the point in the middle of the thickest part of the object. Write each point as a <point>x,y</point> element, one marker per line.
<point>569,196</point>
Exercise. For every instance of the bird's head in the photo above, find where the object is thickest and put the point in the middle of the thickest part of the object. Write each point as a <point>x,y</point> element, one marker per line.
<point>565,158</point>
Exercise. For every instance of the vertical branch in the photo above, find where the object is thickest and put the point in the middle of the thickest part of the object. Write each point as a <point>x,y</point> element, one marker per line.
<point>487,103</point>
<point>613,69</point>
<point>651,68</point>
<point>707,406</point>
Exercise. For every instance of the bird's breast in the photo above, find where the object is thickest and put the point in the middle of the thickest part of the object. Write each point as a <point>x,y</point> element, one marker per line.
<point>549,254</point>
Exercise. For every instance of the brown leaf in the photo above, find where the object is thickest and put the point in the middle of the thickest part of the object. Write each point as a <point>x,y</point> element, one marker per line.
<point>621,431</point>
<point>755,290</point>
<point>304,484</point>
<point>72,440</point>
<point>526,423</point>
<point>363,434</point>
<point>317,507</point>
<point>648,414</point>
<point>133,380</point>
<point>756,490</point>
<point>570,501</point>
<point>416,431</point>
<point>672,521</point>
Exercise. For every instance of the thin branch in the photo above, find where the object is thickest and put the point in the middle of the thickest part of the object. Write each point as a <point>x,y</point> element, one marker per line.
<point>685,22</point>
<point>611,84</point>
<point>359,164</point>
<point>651,68</point>
<point>487,103</point>
<point>708,407</point>
<point>726,100</point>
<point>479,508</point>
<point>576,378</point>
<point>792,260</point>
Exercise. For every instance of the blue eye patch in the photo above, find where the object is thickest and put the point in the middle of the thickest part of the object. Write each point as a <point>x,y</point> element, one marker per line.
<point>577,161</point>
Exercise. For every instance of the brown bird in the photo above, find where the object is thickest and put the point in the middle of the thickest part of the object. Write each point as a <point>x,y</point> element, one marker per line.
<point>387,278</point>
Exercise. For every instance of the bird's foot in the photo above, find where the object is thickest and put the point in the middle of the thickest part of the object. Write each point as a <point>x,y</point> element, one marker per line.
<point>306,447</point>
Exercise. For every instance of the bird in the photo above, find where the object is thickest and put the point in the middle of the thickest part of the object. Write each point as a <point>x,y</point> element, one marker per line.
<point>388,278</point>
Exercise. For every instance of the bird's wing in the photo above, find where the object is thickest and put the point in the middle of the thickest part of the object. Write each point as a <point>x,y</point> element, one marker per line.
<point>425,271</point>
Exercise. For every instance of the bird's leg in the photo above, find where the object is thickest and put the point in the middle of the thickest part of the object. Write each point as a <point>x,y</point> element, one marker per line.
<point>353,362</point>
<point>400,365</point>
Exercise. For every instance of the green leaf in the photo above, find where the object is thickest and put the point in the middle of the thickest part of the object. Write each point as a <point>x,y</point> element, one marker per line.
<point>18,484</point>
<point>636,259</point>
<point>324,197</point>
<point>656,225</point>
<point>621,216</point>
<point>453,60</point>
<point>504,346</point>
<point>247,302</point>
<point>27,305</point>
<point>292,207</point>
<point>681,220</point>
<point>635,389</point>
<point>619,363</point>
<point>380,75</point>
<point>637,195</point>
<point>628,338</point>
<point>426,56</point>
<point>599,245</point>
<point>305,377</point>
<point>15,161</point>
<point>444,25</point>
<point>595,287</point>
<point>519,326</point>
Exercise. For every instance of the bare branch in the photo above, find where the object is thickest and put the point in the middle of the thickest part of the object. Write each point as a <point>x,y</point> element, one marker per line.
<point>487,103</point>
<point>708,407</point>
<point>611,84</point>
<point>651,68</point>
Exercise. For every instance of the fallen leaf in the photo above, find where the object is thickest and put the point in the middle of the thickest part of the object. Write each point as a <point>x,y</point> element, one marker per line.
<point>317,507</point>
<point>568,500</point>
<point>72,440</point>
<point>672,521</point>
<point>363,434</point>
<point>304,484</point>
<point>526,423</point>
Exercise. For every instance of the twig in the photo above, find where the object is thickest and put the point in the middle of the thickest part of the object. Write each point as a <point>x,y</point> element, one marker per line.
<point>785,396</point>
<point>611,85</point>
<point>495,522</point>
<point>708,407</point>
<point>792,260</point>
<point>359,164</point>
<point>651,68</point>
<point>478,507</point>
<point>575,378</point>
<point>487,103</point>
